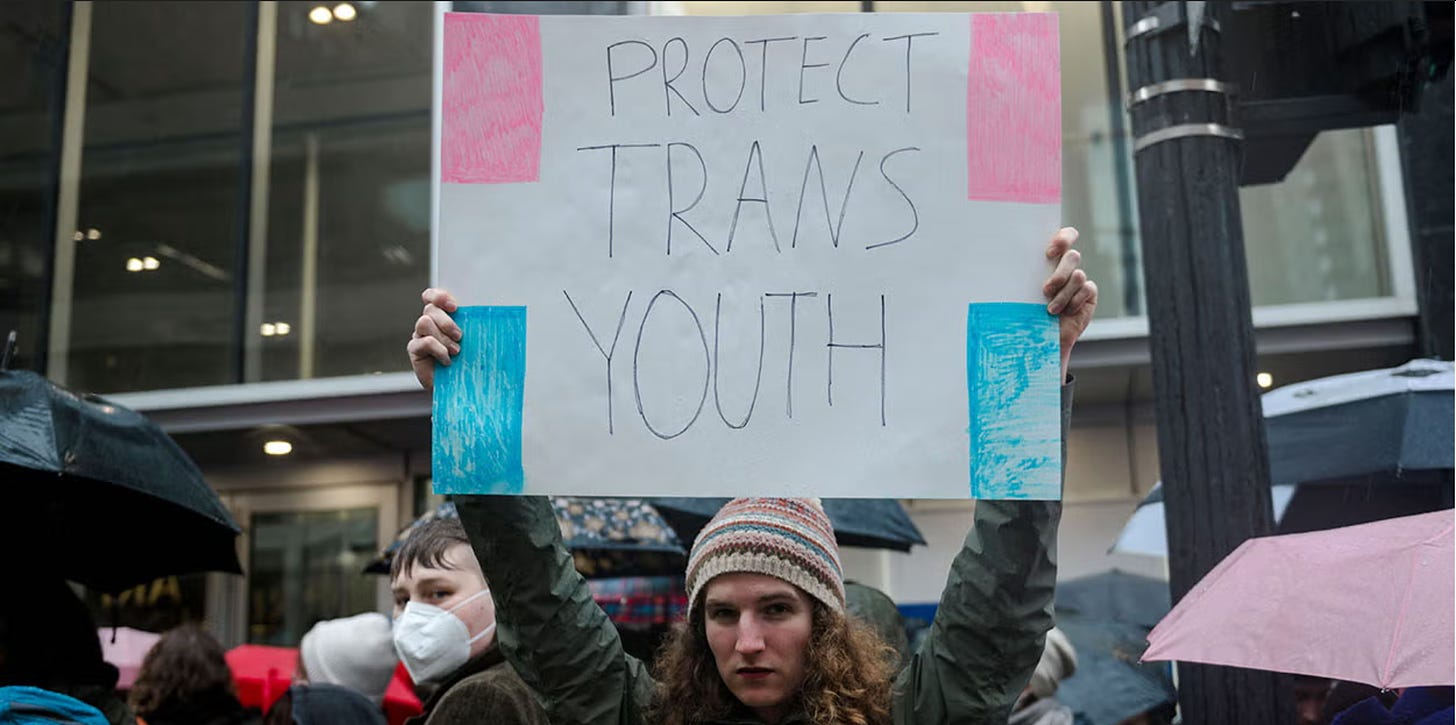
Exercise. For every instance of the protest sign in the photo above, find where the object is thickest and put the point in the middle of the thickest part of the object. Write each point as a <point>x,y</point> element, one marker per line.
<point>780,255</point>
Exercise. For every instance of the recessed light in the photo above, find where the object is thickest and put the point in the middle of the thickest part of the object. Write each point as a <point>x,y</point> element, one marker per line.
<point>345,12</point>
<point>133,264</point>
<point>320,15</point>
<point>278,448</point>
<point>1265,380</point>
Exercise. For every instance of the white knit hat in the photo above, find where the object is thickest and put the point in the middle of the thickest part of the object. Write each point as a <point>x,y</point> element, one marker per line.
<point>354,652</point>
<point>1058,662</point>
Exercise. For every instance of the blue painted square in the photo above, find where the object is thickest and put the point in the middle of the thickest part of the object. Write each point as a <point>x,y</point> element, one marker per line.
<point>479,400</point>
<point>1013,381</point>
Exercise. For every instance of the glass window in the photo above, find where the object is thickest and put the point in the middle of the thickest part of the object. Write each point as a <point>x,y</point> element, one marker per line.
<point>305,567</point>
<point>158,218</point>
<point>1317,236</point>
<point>33,54</point>
<point>348,199</point>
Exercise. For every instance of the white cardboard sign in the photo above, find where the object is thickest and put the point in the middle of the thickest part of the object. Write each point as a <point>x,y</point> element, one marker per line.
<point>728,256</point>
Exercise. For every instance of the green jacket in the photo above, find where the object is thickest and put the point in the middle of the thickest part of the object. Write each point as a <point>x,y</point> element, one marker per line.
<point>980,652</point>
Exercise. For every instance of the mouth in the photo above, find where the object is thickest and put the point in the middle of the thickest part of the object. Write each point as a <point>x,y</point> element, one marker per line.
<point>754,673</point>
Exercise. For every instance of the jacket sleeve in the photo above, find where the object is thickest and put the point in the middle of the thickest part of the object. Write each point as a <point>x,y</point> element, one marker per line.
<point>988,632</point>
<point>547,624</point>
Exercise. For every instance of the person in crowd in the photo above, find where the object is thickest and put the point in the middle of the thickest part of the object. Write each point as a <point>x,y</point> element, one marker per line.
<point>766,638</point>
<point>48,640</point>
<point>1038,704</point>
<point>324,704</point>
<point>445,632</point>
<point>878,610</point>
<point>185,680</point>
<point>355,652</point>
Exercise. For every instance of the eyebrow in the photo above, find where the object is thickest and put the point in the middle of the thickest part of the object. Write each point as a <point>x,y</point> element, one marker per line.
<point>772,598</point>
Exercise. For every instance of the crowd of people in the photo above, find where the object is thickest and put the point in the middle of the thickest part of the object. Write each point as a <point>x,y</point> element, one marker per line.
<point>494,624</point>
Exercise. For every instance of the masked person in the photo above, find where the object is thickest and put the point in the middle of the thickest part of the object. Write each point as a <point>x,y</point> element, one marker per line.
<point>444,632</point>
<point>767,639</point>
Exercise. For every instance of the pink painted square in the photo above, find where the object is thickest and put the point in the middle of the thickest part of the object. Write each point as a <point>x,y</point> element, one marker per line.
<point>1014,109</point>
<point>490,130</point>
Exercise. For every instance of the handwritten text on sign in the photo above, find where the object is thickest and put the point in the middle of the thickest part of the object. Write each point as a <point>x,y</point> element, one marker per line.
<point>782,255</point>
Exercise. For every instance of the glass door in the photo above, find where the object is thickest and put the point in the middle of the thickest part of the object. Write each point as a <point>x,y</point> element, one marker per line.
<point>304,553</point>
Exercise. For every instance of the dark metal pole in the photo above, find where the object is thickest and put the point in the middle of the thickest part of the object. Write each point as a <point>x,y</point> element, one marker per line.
<point>1211,445</point>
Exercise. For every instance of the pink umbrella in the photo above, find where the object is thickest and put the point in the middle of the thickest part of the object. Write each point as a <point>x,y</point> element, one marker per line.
<point>127,652</point>
<point>1371,603</point>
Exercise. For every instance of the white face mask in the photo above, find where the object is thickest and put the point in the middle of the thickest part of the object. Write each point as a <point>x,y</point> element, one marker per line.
<point>433,642</point>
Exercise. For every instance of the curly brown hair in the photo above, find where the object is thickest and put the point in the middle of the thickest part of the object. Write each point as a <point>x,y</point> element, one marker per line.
<point>184,666</point>
<point>849,671</point>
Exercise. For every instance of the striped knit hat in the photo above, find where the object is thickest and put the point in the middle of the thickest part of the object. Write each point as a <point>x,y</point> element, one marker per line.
<point>786,538</point>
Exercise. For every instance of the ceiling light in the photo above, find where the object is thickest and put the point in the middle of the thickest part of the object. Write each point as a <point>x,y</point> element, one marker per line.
<point>93,234</point>
<point>1265,380</point>
<point>282,328</point>
<point>320,15</point>
<point>133,264</point>
<point>278,448</point>
<point>150,263</point>
<point>79,235</point>
<point>267,329</point>
<point>345,12</point>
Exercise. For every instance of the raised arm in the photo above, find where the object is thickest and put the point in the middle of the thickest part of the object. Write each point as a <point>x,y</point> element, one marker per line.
<point>547,624</point>
<point>994,614</point>
<point>995,611</point>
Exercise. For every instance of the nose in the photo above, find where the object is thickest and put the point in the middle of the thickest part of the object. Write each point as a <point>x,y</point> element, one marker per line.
<point>750,637</point>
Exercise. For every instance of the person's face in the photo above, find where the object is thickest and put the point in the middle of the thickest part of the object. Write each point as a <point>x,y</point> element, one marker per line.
<point>1309,700</point>
<point>447,587</point>
<point>758,628</point>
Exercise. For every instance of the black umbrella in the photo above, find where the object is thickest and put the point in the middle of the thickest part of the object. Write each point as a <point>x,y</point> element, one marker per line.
<point>1115,596</point>
<point>1384,424</point>
<point>99,494</point>
<point>1107,617</point>
<point>869,522</point>
<point>1110,684</point>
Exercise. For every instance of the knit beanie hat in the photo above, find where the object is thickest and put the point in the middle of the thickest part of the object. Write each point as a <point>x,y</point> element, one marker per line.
<point>355,652</point>
<point>786,538</point>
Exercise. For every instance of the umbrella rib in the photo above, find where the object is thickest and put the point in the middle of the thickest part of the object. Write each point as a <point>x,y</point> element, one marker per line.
<point>1385,675</point>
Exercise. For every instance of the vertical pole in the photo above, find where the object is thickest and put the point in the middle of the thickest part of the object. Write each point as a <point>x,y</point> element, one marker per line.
<point>308,297</point>
<point>254,262</point>
<point>68,201</point>
<point>1211,444</point>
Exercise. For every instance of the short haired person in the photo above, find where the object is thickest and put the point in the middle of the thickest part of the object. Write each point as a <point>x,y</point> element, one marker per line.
<point>445,632</point>
<point>767,639</point>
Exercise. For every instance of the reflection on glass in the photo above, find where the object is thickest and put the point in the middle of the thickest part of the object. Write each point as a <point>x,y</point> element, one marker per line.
<point>1317,235</point>
<point>32,54</point>
<point>160,185</point>
<point>305,567</point>
<point>348,198</point>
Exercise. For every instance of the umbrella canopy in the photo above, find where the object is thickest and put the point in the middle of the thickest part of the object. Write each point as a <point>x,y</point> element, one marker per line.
<point>1372,603</point>
<point>131,504</point>
<point>868,522</point>
<point>1107,617</point>
<point>125,648</point>
<point>1377,422</point>
<point>1344,450</point>
<point>1111,684</point>
<point>1114,596</point>
<point>610,537</point>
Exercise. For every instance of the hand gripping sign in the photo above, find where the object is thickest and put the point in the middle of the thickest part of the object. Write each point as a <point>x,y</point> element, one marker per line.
<point>787,255</point>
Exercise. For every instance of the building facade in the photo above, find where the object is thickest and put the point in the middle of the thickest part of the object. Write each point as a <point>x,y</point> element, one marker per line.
<point>219,214</point>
